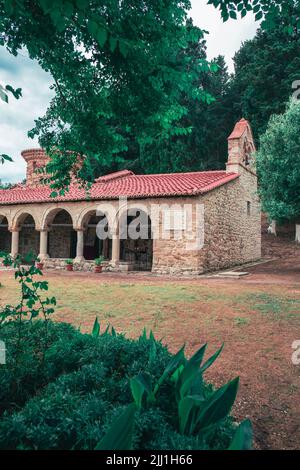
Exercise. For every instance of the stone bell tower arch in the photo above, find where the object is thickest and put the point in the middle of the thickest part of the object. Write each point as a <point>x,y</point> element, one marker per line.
<point>241,148</point>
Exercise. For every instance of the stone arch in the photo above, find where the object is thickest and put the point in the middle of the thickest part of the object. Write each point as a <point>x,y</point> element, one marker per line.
<point>20,216</point>
<point>95,223</point>
<point>136,237</point>
<point>5,236</point>
<point>62,238</point>
<point>50,213</point>
<point>107,209</point>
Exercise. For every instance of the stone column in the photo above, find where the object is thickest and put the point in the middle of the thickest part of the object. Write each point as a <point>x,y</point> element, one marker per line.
<point>115,258</point>
<point>80,246</point>
<point>43,245</point>
<point>14,242</point>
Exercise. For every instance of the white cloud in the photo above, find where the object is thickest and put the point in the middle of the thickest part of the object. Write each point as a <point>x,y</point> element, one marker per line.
<point>223,38</point>
<point>18,116</point>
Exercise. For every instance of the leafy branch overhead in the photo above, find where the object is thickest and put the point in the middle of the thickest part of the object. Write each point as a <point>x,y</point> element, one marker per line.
<point>124,76</point>
<point>269,11</point>
<point>4,97</point>
<point>8,88</point>
<point>120,70</point>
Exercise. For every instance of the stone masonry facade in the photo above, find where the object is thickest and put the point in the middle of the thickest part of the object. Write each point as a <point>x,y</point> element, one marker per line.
<point>220,226</point>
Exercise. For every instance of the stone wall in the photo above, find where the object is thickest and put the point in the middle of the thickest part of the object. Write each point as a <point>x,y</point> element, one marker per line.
<point>232,224</point>
<point>60,242</point>
<point>86,266</point>
<point>29,241</point>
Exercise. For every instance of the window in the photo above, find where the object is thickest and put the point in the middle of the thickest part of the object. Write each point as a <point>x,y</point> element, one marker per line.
<point>248,208</point>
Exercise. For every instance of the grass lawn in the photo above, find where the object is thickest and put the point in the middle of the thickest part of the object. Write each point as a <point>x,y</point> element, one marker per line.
<point>258,323</point>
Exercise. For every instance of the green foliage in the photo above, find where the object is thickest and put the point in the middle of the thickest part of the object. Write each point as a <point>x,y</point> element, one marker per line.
<point>278,165</point>
<point>96,328</point>
<point>8,88</point>
<point>79,397</point>
<point>243,437</point>
<point>99,261</point>
<point>268,10</point>
<point>4,97</point>
<point>69,262</point>
<point>200,147</point>
<point>265,69</point>
<point>31,304</point>
<point>119,436</point>
<point>132,67</point>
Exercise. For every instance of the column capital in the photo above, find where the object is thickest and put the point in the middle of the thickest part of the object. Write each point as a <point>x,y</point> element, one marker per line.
<point>39,229</point>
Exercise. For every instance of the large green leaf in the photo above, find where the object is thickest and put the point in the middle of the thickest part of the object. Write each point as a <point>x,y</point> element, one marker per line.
<point>198,356</point>
<point>242,439</point>
<point>119,436</point>
<point>211,360</point>
<point>96,328</point>
<point>101,36</point>
<point>192,385</point>
<point>139,385</point>
<point>185,408</point>
<point>218,406</point>
<point>188,411</point>
<point>190,380</point>
<point>171,367</point>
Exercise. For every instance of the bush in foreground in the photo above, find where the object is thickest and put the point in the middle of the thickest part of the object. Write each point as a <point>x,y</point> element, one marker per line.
<point>68,391</point>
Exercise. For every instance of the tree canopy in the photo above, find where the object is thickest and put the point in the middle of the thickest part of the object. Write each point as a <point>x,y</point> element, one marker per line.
<point>119,70</point>
<point>278,165</point>
<point>265,69</point>
<point>269,11</point>
<point>133,86</point>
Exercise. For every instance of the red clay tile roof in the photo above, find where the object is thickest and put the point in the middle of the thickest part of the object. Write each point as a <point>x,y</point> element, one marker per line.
<point>130,185</point>
<point>114,176</point>
<point>239,129</point>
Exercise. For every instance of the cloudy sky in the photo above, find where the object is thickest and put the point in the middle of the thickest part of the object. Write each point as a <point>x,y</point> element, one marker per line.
<point>17,117</point>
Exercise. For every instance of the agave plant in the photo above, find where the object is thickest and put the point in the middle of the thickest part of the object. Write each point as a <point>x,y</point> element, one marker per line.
<point>199,411</point>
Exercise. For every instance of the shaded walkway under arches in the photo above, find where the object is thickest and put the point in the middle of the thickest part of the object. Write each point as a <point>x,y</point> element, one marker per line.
<point>5,236</point>
<point>93,245</point>
<point>136,243</point>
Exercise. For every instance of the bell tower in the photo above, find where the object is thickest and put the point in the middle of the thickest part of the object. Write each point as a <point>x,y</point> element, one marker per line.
<point>36,159</point>
<point>241,148</point>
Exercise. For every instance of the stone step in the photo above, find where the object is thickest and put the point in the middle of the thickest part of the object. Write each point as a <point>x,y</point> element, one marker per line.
<point>232,274</point>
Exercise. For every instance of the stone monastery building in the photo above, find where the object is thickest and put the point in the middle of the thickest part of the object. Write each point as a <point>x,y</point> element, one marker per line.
<point>185,223</point>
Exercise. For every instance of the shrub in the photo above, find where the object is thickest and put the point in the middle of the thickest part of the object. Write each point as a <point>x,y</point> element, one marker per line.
<point>73,397</point>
